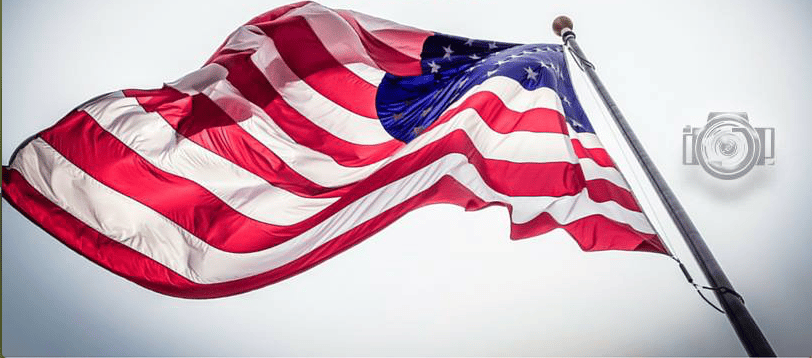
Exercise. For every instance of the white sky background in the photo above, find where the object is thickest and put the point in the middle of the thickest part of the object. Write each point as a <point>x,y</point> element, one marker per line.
<point>441,281</point>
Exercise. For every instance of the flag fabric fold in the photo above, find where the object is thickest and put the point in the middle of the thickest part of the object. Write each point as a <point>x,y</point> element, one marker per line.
<point>309,130</point>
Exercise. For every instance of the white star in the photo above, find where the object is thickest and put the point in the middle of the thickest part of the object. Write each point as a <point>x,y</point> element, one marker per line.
<point>559,72</point>
<point>475,57</point>
<point>501,62</point>
<point>565,100</point>
<point>426,112</point>
<point>531,75</point>
<point>490,73</point>
<point>537,49</point>
<point>448,52</point>
<point>470,42</point>
<point>576,124</point>
<point>492,45</point>
<point>544,64</point>
<point>397,116</point>
<point>434,67</point>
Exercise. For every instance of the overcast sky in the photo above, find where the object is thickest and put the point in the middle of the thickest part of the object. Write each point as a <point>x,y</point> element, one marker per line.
<point>441,281</point>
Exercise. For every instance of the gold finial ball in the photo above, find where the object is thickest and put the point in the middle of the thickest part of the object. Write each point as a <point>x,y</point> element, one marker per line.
<point>560,23</point>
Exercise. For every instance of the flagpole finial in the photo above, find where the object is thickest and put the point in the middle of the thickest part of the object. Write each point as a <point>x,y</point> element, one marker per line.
<point>560,23</point>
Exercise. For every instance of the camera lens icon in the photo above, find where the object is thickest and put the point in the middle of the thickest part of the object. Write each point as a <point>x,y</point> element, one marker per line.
<point>728,146</point>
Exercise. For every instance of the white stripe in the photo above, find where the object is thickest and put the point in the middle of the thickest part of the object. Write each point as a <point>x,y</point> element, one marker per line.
<point>149,135</point>
<point>140,228</point>
<point>340,40</point>
<point>386,31</point>
<point>324,171</point>
<point>515,96</point>
<point>371,23</point>
<point>247,37</point>
<point>593,171</point>
<point>587,140</point>
<point>338,37</point>
<point>105,210</point>
<point>518,99</point>
<point>335,34</point>
<point>323,112</point>
<point>516,147</point>
<point>519,147</point>
<point>199,81</point>
<point>259,125</point>
<point>311,104</point>
<point>369,74</point>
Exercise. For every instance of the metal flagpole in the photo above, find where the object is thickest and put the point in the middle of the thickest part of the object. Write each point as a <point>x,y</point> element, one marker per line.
<point>746,328</point>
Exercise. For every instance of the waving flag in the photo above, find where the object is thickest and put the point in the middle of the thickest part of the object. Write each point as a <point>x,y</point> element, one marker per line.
<point>309,130</point>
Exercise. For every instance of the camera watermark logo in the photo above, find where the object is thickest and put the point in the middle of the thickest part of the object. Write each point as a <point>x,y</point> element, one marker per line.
<point>727,147</point>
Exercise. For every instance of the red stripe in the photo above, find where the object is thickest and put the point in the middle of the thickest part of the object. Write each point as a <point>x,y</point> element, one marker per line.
<point>504,120</point>
<point>406,40</point>
<point>113,164</point>
<point>252,84</point>
<point>388,58</point>
<point>601,190</point>
<point>202,121</point>
<point>91,244</point>
<point>593,233</point>
<point>84,143</point>
<point>306,56</point>
<point>265,17</point>
<point>140,269</point>
<point>599,155</point>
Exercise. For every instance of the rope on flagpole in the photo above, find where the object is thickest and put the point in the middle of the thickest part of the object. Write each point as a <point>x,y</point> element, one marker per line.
<point>697,287</point>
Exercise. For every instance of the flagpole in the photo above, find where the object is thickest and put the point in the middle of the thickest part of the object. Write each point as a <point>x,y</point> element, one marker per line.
<point>746,328</point>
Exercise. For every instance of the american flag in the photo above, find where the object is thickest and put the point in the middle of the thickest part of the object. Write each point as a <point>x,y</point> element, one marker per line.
<point>307,131</point>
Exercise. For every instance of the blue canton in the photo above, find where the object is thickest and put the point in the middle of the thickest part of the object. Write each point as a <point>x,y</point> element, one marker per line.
<point>452,65</point>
